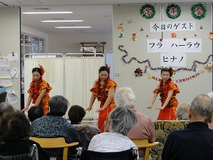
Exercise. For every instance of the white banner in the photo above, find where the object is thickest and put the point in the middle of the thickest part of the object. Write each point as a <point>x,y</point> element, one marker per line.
<point>173,59</point>
<point>172,26</point>
<point>174,45</point>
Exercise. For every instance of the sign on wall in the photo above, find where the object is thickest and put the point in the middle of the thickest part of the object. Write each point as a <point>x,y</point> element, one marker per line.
<point>172,26</point>
<point>173,51</point>
<point>175,45</point>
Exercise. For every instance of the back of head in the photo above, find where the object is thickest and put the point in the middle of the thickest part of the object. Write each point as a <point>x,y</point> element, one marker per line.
<point>182,111</point>
<point>5,107</point>
<point>125,97</point>
<point>122,119</point>
<point>202,107</point>
<point>58,105</point>
<point>76,113</point>
<point>14,126</point>
<point>35,112</point>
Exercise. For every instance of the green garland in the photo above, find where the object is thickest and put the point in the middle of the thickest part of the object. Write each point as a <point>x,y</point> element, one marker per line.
<point>147,11</point>
<point>173,11</point>
<point>198,11</point>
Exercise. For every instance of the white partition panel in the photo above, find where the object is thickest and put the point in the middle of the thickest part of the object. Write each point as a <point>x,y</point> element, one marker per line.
<point>80,73</point>
<point>54,71</point>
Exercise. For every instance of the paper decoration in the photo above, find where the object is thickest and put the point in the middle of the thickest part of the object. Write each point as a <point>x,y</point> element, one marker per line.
<point>178,80</point>
<point>173,35</point>
<point>121,48</point>
<point>198,11</point>
<point>173,11</point>
<point>147,11</point>
<point>138,72</point>
<point>120,27</point>
<point>134,38</point>
<point>211,35</point>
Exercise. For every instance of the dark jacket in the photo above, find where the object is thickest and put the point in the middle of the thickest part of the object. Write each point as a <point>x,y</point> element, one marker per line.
<point>195,142</point>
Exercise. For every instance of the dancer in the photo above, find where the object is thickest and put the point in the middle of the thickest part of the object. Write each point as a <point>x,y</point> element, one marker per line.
<point>167,90</point>
<point>39,90</point>
<point>103,90</point>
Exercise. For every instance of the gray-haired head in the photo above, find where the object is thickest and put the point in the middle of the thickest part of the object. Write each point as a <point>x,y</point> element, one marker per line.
<point>122,119</point>
<point>5,107</point>
<point>182,111</point>
<point>58,105</point>
<point>202,106</point>
<point>125,97</point>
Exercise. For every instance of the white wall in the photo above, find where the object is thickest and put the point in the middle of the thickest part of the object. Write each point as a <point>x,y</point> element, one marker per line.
<point>10,42</point>
<point>142,86</point>
<point>70,43</point>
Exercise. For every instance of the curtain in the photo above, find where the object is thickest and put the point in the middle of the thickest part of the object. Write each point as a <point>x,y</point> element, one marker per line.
<point>80,73</point>
<point>69,76</point>
<point>54,73</point>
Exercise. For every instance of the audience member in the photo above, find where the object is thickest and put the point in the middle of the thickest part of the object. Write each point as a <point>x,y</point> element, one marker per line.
<point>182,110</point>
<point>120,121</point>
<point>196,140</point>
<point>14,129</point>
<point>54,125</point>
<point>144,129</point>
<point>125,97</point>
<point>5,107</point>
<point>76,113</point>
<point>211,123</point>
<point>35,112</point>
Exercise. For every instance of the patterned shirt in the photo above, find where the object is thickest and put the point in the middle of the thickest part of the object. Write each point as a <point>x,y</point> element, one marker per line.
<point>54,126</point>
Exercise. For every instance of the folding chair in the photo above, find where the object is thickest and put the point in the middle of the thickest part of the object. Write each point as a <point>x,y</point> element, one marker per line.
<point>144,143</point>
<point>57,142</point>
<point>32,155</point>
<point>130,154</point>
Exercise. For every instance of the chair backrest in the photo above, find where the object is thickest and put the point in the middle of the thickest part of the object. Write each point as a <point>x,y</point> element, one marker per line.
<point>32,155</point>
<point>144,144</point>
<point>130,154</point>
<point>58,142</point>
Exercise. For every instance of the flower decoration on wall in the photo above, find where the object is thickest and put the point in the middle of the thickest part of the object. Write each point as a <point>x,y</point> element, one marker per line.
<point>173,11</point>
<point>147,11</point>
<point>138,72</point>
<point>209,66</point>
<point>198,11</point>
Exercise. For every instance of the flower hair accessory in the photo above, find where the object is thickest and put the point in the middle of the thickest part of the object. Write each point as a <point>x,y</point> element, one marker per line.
<point>171,71</point>
<point>108,67</point>
<point>42,70</point>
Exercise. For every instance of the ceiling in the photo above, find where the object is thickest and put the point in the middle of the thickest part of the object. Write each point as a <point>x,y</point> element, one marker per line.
<point>95,13</point>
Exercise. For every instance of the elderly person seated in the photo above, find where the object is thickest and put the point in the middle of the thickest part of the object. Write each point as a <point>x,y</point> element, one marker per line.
<point>211,123</point>
<point>196,140</point>
<point>144,129</point>
<point>5,107</point>
<point>54,125</point>
<point>14,129</point>
<point>76,113</point>
<point>35,112</point>
<point>182,110</point>
<point>120,121</point>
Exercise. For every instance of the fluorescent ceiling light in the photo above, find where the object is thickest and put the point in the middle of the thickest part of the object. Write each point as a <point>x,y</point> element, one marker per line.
<point>52,21</point>
<point>73,27</point>
<point>61,12</point>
